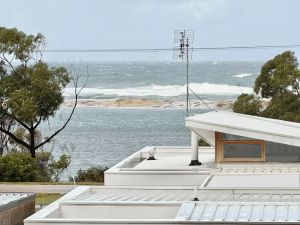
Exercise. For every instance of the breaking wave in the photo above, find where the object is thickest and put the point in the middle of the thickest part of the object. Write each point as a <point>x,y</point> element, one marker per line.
<point>243,75</point>
<point>163,91</point>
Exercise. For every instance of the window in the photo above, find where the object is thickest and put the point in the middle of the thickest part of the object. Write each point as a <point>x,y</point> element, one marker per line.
<point>242,150</point>
<point>276,152</point>
<point>237,148</point>
<point>234,148</point>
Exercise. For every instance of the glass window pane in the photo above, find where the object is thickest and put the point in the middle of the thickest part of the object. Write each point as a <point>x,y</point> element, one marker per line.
<point>242,150</point>
<point>276,152</point>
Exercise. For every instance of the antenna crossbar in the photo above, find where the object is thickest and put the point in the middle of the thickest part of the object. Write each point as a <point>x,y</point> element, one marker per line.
<point>183,50</point>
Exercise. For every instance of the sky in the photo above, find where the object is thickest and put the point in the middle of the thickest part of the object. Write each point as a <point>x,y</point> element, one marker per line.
<point>115,24</point>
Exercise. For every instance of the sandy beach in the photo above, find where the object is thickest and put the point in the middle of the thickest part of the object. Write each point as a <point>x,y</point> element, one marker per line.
<point>149,103</point>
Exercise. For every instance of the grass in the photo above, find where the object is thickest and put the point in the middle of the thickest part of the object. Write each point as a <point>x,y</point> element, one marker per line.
<point>46,198</point>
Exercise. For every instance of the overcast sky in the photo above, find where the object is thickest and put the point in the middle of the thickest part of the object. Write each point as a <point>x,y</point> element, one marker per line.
<point>98,24</point>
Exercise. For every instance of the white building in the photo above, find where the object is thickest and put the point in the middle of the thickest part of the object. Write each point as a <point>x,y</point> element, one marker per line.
<point>250,174</point>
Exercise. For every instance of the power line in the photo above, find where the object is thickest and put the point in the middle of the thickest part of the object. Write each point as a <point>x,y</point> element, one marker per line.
<point>171,49</point>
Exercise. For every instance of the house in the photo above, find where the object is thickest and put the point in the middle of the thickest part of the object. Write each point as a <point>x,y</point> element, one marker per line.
<point>243,138</point>
<point>250,173</point>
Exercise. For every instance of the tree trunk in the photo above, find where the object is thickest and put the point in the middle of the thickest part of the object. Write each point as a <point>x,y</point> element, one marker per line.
<point>32,153</point>
<point>32,143</point>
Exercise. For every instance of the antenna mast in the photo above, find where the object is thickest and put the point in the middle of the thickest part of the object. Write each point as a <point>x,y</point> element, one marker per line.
<point>183,50</point>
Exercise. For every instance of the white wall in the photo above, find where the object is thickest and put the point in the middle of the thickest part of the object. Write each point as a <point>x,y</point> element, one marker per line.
<point>155,178</point>
<point>122,211</point>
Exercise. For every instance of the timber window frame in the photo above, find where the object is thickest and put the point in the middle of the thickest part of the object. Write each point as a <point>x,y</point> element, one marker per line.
<point>219,153</point>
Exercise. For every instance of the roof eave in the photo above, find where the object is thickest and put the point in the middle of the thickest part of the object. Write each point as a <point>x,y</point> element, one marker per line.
<point>255,134</point>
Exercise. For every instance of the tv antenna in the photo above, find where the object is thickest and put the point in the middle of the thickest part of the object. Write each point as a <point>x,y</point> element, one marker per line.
<point>183,49</point>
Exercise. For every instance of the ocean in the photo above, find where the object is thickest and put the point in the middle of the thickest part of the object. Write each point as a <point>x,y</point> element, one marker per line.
<point>166,79</point>
<point>104,136</point>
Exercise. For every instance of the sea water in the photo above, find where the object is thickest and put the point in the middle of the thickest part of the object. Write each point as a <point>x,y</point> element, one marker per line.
<point>165,79</point>
<point>103,136</point>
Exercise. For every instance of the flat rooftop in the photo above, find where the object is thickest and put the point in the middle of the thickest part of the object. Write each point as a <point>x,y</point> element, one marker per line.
<point>177,161</point>
<point>162,191</point>
<point>167,157</point>
<point>171,167</point>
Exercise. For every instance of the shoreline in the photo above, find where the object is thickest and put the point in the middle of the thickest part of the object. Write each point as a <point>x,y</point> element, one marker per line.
<point>142,103</point>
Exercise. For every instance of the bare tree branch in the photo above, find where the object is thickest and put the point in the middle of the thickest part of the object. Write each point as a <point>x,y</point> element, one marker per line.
<point>16,119</point>
<point>4,139</point>
<point>38,51</point>
<point>15,138</point>
<point>77,91</point>
<point>10,64</point>
<point>63,127</point>
<point>38,123</point>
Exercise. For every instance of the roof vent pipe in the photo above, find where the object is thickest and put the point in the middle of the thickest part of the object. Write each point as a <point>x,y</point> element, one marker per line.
<point>151,154</point>
<point>195,193</point>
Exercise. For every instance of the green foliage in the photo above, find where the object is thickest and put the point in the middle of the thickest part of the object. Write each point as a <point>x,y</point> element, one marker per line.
<point>21,167</point>
<point>57,167</point>
<point>18,43</point>
<point>32,90</point>
<point>278,76</point>
<point>93,174</point>
<point>18,167</point>
<point>247,104</point>
<point>279,82</point>
<point>284,107</point>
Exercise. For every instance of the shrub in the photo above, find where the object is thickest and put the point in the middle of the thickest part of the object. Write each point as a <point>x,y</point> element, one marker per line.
<point>21,167</point>
<point>18,166</point>
<point>93,174</point>
<point>51,169</point>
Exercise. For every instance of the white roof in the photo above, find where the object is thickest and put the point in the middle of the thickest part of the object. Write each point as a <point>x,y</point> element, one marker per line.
<point>171,205</point>
<point>134,195</point>
<point>245,125</point>
<point>233,212</point>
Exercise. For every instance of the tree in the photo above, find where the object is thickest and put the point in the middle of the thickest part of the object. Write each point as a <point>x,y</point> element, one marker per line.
<point>247,104</point>
<point>285,107</point>
<point>278,81</point>
<point>279,76</point>
<point>30,90</point>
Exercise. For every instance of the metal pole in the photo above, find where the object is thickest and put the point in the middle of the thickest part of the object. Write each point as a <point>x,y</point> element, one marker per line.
<point>187,77</point>
<point>194,149</point>
<point>185,39</point>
